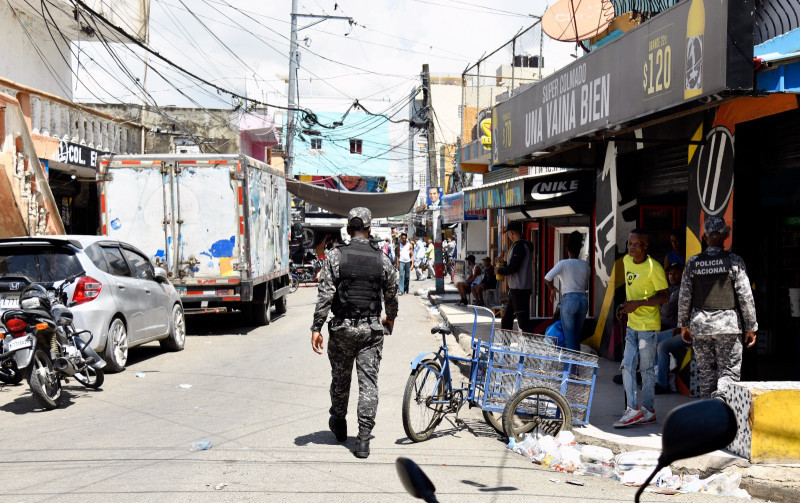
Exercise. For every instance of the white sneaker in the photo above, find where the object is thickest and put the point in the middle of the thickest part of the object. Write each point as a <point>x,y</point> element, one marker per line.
<point>648,416</point>
<point>631,417</point>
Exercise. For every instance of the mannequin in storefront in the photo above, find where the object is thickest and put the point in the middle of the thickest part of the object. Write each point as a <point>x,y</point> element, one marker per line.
<point>715,306</point>
<point>573,275</point>
<point>519,277</point>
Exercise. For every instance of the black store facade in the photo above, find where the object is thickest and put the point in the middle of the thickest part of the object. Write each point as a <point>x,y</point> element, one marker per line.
<point>668,147</point>
<point>72,180</point>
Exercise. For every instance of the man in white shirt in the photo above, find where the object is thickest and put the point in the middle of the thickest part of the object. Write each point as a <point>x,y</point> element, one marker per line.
<point>405,262</point>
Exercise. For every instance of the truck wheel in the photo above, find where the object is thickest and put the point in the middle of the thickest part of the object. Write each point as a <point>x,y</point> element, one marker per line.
<point>262,312</point>
<point>280,305</point>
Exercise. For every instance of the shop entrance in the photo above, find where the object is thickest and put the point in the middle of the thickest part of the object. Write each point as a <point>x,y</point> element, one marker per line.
<point>766,233</point>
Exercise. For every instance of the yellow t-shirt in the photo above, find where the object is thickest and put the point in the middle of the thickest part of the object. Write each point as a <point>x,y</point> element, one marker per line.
<point>642,281</point>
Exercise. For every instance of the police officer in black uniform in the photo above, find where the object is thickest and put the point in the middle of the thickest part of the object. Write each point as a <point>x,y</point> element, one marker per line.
<point>352,281</point>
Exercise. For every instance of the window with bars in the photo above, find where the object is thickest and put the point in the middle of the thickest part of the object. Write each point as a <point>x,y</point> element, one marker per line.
<point>355,146</point>
<point>316,143</point>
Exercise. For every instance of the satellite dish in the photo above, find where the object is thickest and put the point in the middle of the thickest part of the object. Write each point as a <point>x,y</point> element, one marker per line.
<point>576,20</point>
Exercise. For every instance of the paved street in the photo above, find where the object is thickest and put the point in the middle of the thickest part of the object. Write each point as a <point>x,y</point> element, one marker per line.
<point>261,396</point>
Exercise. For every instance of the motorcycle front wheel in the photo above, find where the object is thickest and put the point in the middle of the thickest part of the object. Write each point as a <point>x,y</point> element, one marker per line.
<point>43,380</point>
<point>295,283</point>
<point>90,377</point>
<point>9,373</point>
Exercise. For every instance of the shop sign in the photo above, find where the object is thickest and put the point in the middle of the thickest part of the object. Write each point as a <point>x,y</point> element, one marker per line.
<point>497,196</point>
<point>570,185</point>
<point>78,155</point>
<point>453,208</point>
<point>675,57</point>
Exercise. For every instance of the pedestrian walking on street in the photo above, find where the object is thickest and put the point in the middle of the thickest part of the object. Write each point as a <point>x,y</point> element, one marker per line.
<point>405,262</point>
<point>519,277</point>
<point>351,284</point>
<point>573,275</point>
<point>645,289</point>
<point>419,258</point>
<point>715,295</point>
<point>430,259</point>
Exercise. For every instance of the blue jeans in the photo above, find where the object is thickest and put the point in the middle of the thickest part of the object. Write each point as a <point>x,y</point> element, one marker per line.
<point>640,349</point>
<point>405,276</point>
<point>667,343</point>
<point>573,313</point>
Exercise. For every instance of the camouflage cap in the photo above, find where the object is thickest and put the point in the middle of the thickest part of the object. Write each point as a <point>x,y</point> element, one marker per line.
<point>716,224</point>
<point>360,212</point>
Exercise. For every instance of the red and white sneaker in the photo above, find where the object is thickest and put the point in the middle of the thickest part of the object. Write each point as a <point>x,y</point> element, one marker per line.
<point>648,416</point>
<point>631,417</point>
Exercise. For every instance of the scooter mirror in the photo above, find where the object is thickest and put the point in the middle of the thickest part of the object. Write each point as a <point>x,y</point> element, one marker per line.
<point>415,481</point>
<point>696,428</point>
<point>691,430</point>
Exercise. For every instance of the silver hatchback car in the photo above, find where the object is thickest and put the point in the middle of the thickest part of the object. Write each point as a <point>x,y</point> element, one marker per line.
<point>121,297</point>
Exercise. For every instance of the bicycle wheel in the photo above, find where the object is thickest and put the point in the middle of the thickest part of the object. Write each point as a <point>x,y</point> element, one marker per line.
<point>420,416</point>
<point>536,410</point>
<point>495,420</point>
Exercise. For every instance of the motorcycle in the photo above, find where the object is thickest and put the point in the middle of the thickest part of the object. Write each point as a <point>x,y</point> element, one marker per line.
<point>9,373</point>
<point>44,344</point>
<point>693,429</point>
<point>307,273</point>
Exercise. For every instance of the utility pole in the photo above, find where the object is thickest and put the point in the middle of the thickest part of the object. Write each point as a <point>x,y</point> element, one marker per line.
<point>294,59</point>
<point>433,178</point>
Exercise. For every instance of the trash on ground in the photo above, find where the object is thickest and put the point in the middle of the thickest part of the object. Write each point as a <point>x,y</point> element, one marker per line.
<point>219,487</point>
<point>562,453</point>
<point>202,445</point>
<point>574,482</point>
<point>185,386</point>
<point>140,374</point>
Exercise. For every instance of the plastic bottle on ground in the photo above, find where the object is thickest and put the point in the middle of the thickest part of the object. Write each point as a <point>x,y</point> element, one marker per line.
<point>202,445</point>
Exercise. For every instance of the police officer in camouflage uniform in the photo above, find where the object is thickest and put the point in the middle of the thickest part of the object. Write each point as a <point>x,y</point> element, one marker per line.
<point>715,306</point>
<point>352,280</point>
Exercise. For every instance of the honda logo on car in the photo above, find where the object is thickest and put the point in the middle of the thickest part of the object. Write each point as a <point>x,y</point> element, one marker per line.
<point>14,286</point>
<point>549,190</point>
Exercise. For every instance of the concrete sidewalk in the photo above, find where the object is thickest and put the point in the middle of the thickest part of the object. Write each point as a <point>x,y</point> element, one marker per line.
<point>770,482</point>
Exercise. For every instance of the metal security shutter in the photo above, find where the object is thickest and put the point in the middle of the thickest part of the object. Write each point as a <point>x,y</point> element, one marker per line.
<point>657,169</point>
<point>778,140</point>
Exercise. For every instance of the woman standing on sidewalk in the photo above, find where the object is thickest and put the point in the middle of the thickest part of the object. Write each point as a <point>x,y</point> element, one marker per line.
<point>573,276</point>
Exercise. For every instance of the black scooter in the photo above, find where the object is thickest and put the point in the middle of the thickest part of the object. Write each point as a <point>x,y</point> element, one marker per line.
<point>690,430</point>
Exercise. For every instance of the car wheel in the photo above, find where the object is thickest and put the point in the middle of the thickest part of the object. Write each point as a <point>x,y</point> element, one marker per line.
<point>176,339</point>
<point>116,352</point>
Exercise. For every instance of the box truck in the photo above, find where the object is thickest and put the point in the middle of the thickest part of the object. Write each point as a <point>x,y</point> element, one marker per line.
<point>218,224</point>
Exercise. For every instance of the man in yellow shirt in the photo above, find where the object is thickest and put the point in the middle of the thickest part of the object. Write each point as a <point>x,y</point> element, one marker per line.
<point>646,289</point>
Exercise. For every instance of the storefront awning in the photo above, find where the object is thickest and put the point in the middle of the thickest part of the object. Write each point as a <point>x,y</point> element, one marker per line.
<point>472,157</point>
<point>683,57</point>
<point>340,202</point>
<point>453,209</point>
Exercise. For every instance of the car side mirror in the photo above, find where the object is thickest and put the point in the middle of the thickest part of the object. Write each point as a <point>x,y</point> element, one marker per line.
<point>414,480</point>
<point>161,275</point>
<point>694,429</point>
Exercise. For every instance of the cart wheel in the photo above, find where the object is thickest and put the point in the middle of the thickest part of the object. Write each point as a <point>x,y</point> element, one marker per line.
<point>536,410</point>
<point>420,417</point>
<point>495,420</point>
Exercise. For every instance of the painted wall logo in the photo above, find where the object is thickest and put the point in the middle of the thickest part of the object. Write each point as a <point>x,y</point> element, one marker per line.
<point>630,277</point>
<point>549,190</point>
<point>715,171</point>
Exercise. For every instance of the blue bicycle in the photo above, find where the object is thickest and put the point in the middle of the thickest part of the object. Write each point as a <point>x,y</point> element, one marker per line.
<point>520,381</point>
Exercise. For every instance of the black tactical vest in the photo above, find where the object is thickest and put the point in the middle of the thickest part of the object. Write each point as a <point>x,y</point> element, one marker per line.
<point>359,288</point>
<point>712,283</point>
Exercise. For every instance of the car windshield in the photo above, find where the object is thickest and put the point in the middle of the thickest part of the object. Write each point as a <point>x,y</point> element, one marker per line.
<point>42,264</point>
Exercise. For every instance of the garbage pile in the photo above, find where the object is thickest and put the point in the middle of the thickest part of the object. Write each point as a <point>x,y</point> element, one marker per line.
<point>563,454</point>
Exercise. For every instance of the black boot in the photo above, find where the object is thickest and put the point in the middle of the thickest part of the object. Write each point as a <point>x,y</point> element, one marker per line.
<point>338,427</point>
<point>361,449</point>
